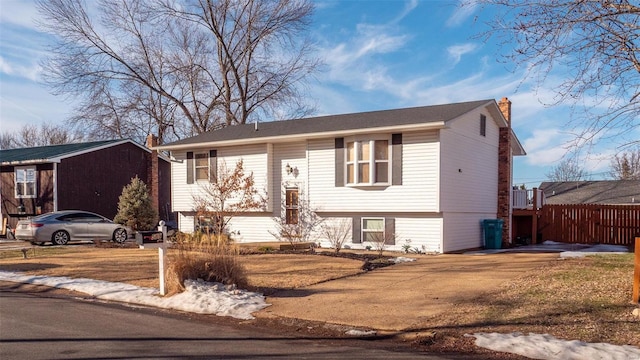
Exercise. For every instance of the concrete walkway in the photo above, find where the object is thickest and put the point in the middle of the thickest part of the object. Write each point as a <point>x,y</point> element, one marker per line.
<point>400,296</point>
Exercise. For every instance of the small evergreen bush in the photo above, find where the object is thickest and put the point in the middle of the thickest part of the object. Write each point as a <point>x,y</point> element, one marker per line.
<point>135,208</point>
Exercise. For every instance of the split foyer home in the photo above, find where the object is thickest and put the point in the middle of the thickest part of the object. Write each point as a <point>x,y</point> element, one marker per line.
<point>82,176</point>
<point>429,174</point>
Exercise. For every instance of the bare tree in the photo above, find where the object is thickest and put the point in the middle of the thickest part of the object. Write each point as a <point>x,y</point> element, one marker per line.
<point>567,170</point>
<point>381,239</point>
<point>229,194</point>
<point>593,45</point>
<point>337,232</point>
<point>179,67</point>
<point>626,166</point>
<point>33,135</point>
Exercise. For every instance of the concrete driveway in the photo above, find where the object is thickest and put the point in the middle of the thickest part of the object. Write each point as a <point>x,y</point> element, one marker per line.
<point>397,297</point>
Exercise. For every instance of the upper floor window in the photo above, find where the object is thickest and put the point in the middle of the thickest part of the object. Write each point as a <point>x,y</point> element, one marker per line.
<point>483,125</point>
<point>202,166</point>
<point>25,182</point>
<point>368,162</point>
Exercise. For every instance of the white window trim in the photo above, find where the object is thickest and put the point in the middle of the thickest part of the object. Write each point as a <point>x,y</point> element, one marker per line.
<point>363,230</point>
<point>196,167</point>
<point>371,161</point>
<point>35,182</point>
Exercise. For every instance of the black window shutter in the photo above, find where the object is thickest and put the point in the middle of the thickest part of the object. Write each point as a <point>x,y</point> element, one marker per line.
<point>213,166</point>
<point>483,125</point>
<point>190,167</point>
<point>390,231</point>
<point>339,162</point>
<point>396,161</point>
<point>357,234</point>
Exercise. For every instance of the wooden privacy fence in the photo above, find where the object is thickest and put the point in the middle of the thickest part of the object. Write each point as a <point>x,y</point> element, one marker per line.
<point>590,223</point>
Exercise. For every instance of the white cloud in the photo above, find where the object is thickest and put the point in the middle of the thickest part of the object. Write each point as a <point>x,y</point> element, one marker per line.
<point>546,146</point>
<point>457,51</point>
<point>463,11</point>
<point>5,67</point>
<point>19,12</point>
<point>31,73</point>
<point>374,40</point>
<point>408,7</point>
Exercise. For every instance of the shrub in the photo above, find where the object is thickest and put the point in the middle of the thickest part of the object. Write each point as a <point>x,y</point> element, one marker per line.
<point>337,232</point>
<point>135,208</point>
<point>207,260</point>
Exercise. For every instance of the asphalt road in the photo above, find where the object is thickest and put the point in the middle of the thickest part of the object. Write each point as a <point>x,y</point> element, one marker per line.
<point>36,326</point>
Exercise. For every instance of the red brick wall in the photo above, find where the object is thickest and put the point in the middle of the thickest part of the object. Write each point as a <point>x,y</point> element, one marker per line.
<point>504,172</point>
<point>152,173</point>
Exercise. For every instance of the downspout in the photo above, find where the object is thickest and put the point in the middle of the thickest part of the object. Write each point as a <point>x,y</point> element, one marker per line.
<point>55,186</point>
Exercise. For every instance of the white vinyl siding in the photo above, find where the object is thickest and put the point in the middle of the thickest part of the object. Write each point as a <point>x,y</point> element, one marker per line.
<point>425,233</point>
<point>255,160</point>
<point>463,231</point>
<point>186,222</point>
<point>254,228</point>
<point>418,192</point>
<point>469,166</point>
<point>294,155</point>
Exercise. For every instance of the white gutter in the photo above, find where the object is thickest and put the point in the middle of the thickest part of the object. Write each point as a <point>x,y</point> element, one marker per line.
<point>305,136</point>
<point>31,162</point>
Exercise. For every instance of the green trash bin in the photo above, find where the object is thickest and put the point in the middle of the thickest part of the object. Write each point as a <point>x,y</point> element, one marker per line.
<point>492,229</point>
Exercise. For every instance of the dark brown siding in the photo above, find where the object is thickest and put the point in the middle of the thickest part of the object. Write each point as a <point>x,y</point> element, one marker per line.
<point>91,181</point>
<point>94,181</point>
<point>41,204</point>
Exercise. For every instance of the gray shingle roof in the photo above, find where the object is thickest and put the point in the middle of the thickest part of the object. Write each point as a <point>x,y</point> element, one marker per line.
<point>47,153</point>
<point>614,192</point>
<point>344,122</point>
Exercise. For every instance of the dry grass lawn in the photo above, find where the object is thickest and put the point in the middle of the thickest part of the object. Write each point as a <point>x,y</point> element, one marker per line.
<point>585,299</point>
<point>266,272</point>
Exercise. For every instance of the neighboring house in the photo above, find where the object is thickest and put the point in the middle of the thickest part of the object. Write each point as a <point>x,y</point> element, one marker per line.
<point>612,192</point>
<point>427,174</point>
<point>84,176</point>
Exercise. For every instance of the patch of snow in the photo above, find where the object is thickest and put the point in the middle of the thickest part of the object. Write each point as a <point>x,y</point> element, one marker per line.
<point>354,332</point>
<point>401,259</point>
<point>600,249</point>
<point>565,250</point>
<point>544,346</point>
<point>199,297</point>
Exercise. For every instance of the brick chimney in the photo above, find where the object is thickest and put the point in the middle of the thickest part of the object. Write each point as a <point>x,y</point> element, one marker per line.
<point>505,171</point>
<point>152,172</point>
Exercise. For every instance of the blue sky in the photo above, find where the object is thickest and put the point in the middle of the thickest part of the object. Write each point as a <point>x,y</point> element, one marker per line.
<point>378,55</point>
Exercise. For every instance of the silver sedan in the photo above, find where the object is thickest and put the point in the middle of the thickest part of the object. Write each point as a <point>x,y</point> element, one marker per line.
<point>60,227</point>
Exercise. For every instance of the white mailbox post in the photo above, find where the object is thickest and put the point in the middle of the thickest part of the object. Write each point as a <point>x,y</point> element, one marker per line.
<point>162,255</point>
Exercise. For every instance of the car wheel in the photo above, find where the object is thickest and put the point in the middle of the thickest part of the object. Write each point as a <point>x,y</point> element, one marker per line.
<point>120,236</point>
<point>60,238</point>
